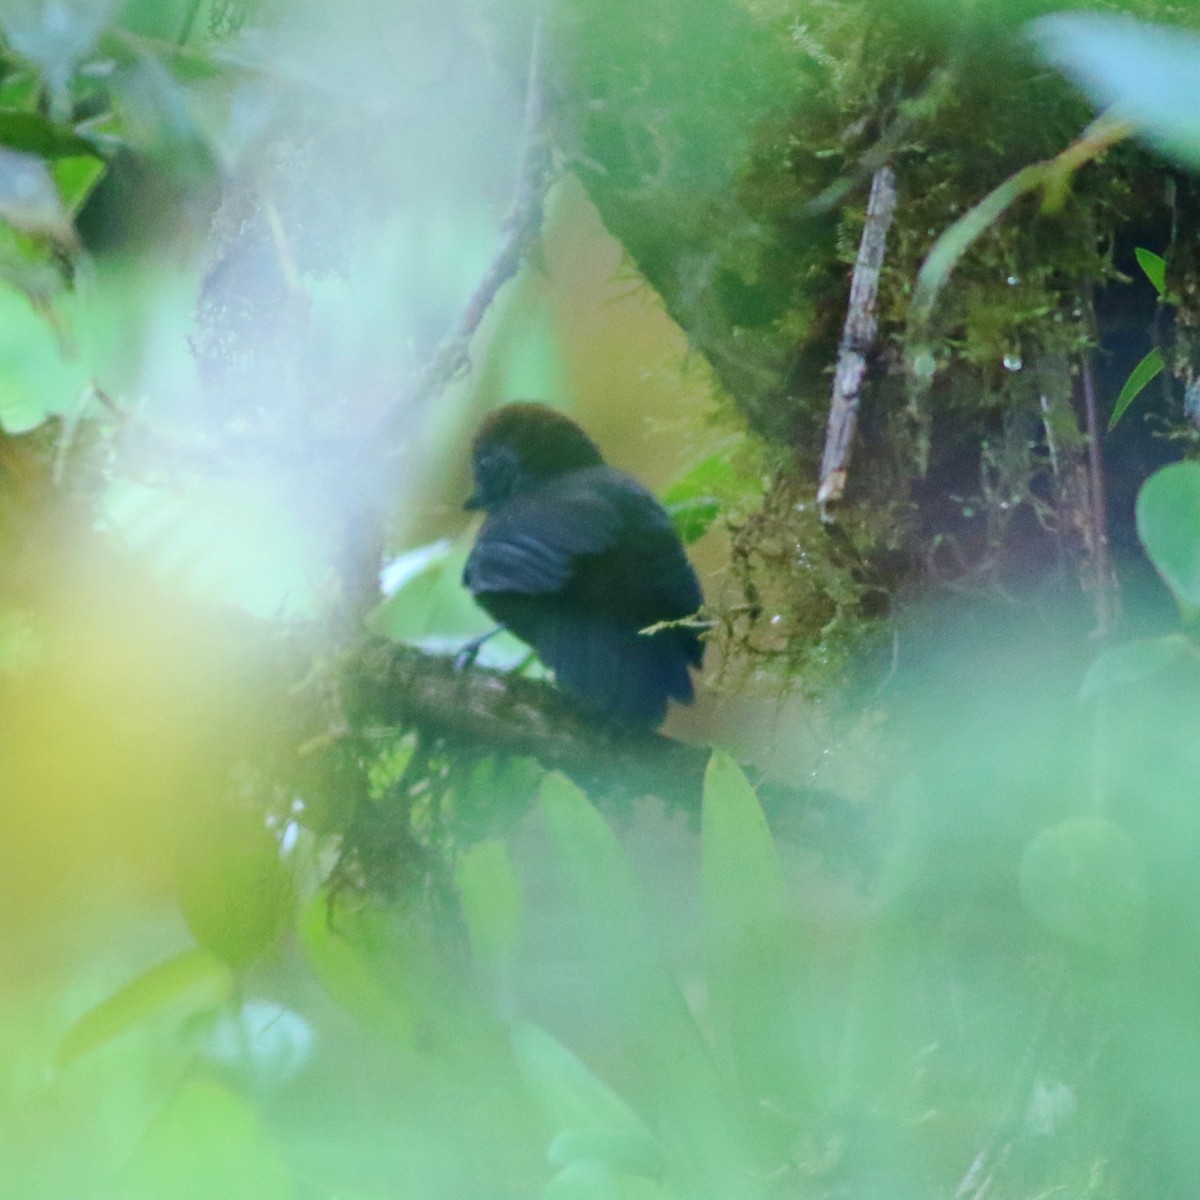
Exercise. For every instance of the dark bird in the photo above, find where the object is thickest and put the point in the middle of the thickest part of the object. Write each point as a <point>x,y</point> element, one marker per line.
<point>577,559</point>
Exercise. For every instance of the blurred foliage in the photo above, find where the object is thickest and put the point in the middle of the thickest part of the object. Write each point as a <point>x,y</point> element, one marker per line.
<point>252,949</point>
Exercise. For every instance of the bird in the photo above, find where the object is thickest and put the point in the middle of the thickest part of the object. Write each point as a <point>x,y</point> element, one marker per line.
<point>579,560</point>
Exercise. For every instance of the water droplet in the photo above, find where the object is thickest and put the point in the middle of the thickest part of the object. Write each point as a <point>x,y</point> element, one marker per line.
<point>1013,280</point>
<point>924,365</point>
<point>1013,362</point>
<point>776,620</point>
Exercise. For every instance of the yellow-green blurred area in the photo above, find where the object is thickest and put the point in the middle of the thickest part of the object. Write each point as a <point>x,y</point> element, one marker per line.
<point>233,233</point>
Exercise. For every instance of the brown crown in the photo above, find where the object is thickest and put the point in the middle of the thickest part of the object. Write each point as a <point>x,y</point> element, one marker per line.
<point>547,442</point>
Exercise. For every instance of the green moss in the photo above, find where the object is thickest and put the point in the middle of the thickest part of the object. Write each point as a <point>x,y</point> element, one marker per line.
<point>730,150</point>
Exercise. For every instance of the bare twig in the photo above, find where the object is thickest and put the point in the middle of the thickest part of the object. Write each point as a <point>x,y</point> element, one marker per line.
<point>1098,498</point>
<point>858,337</point>
<point>521,226</point>
<point>1104,597</point>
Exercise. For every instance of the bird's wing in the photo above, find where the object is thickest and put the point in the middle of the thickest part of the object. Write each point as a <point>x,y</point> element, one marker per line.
<point>528,546</point>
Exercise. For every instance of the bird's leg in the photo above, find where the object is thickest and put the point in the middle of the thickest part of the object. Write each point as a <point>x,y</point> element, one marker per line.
<point>470,652</point>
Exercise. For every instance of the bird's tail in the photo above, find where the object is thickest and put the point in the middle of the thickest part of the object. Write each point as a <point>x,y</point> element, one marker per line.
<point>619,672</point>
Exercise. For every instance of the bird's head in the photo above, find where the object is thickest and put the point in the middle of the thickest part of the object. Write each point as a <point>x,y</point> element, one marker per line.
<point>521,446</point>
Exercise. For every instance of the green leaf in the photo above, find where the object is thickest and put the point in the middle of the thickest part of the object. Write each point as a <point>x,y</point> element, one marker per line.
<point>1085,879</point>
<point>692,518</point>
<point>36,380</point>
<point>37,134</point>
<point>1168,523</point>
<point>572,1097</point>
<point>592,862</point>
<point>235,892</point>
<point>206,1141</point>
<point>693,500</point>
<point>619,969</point>
<point>194,979</point>
<point>1146,72</point>
<point>755,953</point>
<point>1155,268</point>
<point>1146,370</point>
<point>584,1181</point>
<point>345,957</point>
<point>490,894</point>
<point>742,883</point>
<point>1119,666</point>
<point>75,178</point>
<point>624,1151</point>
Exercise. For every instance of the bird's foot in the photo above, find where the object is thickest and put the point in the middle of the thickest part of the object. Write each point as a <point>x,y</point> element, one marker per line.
<point>470,652</point>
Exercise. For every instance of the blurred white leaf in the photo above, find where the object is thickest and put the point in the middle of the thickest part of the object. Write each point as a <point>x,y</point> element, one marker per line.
<point>1146,72</point>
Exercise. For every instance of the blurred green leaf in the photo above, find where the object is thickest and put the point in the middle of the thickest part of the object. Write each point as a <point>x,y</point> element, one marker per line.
<point>583,1181</point>
<point>194,979</point>
<point>20,89</point>
<point>1116,667</point>
<point>755,954</point>
<point>34,133</point>
<point>1168,523</point>
<point>621,966</point>
<point>743,887</point>
<point>491,903</point>
<point>624,1152</point>
<point>344,955</point>
<point>234,890</point>
<point>1145,371</point>
<point>692,518</point>
<point>1146,72</point>
<point>1155,268</point>
<point>573,1098</point>
<point>75,178</point>
<point>595,868</point>
<point>693,500</point>
<point>1085,879</point>
<point>36,381</point>
<point>206,1142</point>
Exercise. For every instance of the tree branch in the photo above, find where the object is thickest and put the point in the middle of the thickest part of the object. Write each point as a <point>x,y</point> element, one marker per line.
<point>398,686</point>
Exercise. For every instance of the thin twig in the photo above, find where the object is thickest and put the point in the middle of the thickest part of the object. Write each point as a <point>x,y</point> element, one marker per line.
<point>858,338</point>
<point>1104,591</point>
<point>522,227</point>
